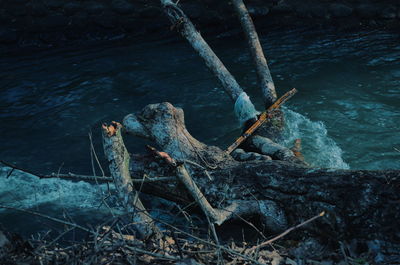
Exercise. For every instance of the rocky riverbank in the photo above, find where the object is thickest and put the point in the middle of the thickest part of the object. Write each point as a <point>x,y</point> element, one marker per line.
<point>44,23</point>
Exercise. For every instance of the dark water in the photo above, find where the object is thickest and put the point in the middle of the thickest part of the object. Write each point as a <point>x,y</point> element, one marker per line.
<point>347,110</point>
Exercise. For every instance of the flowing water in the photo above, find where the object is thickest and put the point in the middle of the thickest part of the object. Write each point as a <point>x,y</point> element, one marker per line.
<point>347,111</point>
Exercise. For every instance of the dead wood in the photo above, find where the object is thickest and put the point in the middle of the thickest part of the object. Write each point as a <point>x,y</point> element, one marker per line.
<point>257,53</point>
<point>358,203</point>
<point>185,27</point>
<point>119,160</point>
<point>244,108</point>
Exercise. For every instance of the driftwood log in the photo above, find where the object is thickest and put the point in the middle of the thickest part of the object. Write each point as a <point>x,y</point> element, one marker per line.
<point>359,204</point>
<point>257,53</point>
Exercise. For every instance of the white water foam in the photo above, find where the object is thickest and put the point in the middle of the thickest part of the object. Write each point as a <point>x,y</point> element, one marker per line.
<point>244,109</point>
<point>22,190</point>
<point>317,147</point>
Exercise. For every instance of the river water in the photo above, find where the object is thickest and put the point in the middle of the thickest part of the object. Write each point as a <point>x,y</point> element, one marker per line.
<point>347,110</point>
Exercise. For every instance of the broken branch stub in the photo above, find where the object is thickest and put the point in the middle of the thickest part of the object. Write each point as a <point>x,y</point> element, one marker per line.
<point>119,159</point>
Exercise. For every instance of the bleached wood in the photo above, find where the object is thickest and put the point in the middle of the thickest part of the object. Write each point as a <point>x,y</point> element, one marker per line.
<point>257,53</point>
<point>119,162</point>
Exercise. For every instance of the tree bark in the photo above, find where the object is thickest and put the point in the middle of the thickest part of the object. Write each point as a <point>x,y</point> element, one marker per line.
<point>257,54</point>
<point>359,203</point>
<point>244,108</point>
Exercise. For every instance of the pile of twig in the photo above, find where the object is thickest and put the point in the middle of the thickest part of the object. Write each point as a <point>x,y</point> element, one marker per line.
<point>118,242</point>
<point>113,245</point>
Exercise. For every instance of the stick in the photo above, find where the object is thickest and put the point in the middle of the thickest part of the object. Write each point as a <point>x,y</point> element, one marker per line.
<point>217,216</point>
<point>286,232</point>
<point>156,255</point>
<point>227,249</point>
<point>263,118</point>
<point>106,179</point>
<point>87,178</point>
<point>72,176</point>
<point>263,73</point>
<point>15,167</point>
<point>191,186</point>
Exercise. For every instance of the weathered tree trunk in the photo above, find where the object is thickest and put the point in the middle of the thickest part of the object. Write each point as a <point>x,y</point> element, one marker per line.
<point>244,108</point>
<point>119,162</point>
<point>359,203</point>
<point>186,28</point>
<point>257,54</point>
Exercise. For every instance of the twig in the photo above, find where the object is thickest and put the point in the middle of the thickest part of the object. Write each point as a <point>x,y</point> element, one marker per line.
<point>197,165</point>
<point>152,254</point>
<point>58,237</point>
<point>107,179</point>
<point>342,249</point>
<point>48,217</point>
<point>88,178</point>
<point>184,176</point>
<point>95,155</point>
<point>233,252</point>
<point>178,246</point>
<point>73,176</point>
<point>15,167</point>
<point>214,233</point>
<point>286,232</point>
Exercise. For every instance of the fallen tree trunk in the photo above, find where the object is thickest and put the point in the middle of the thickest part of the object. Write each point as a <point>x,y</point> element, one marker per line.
<point>257,53</point>
<point>183,24</point>
<point>359,203</point>
<point>244,108</point>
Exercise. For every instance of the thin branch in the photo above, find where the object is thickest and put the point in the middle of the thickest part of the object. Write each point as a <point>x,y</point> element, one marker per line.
<point>48,217</point>
<point>226,249</point>
<point>88,178</point>
<point>95,154</point>
<point>139,250</point>
<point>286,232</point>
<point>263,118</point>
